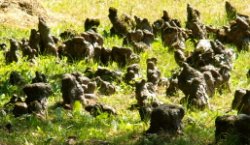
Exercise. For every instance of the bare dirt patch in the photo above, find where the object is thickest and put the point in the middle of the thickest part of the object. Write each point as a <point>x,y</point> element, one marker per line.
<point>22,13</point>
<point>25,13</point>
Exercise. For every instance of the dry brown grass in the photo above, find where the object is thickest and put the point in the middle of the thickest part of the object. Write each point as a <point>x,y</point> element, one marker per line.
<point>212,11</point>
<point>25,13</point>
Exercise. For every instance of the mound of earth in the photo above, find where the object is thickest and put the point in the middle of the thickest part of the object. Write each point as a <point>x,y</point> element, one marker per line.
<point>25,13</point>
<point>21,12</point>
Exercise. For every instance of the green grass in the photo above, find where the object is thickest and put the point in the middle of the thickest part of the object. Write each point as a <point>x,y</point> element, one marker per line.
<point>126,128</point>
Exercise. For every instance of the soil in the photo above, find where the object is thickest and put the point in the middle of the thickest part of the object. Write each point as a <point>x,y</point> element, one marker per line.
<point>21,13</point>
<point>25,13</point>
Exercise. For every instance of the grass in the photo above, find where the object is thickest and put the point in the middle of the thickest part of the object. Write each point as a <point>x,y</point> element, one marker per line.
<point>126,128</point>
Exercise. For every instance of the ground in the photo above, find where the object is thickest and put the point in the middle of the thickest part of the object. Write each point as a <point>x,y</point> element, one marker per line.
<point>17,17</point>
